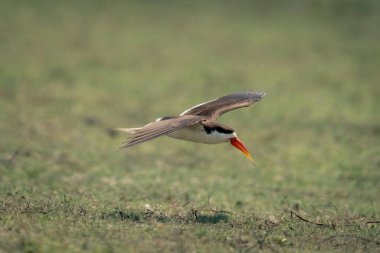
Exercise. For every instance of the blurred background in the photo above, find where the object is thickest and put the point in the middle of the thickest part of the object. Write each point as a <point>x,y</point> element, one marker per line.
<point>72,71</point>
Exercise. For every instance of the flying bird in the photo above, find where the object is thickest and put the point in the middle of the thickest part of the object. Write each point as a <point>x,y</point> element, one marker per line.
<point>198,124</point>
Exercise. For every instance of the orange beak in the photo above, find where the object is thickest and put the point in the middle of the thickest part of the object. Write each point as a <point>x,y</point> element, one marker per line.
<point>237,143</point>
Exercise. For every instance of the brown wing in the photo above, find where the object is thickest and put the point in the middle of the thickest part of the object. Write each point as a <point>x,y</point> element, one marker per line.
<point>158,128</point>
<point>214,108</point>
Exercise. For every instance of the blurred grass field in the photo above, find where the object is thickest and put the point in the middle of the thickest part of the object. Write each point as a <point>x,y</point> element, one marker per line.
<point>71,72</point>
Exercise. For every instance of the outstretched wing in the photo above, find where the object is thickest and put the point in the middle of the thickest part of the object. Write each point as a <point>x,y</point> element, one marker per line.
<point>158,128</point>
<point>214,108</point>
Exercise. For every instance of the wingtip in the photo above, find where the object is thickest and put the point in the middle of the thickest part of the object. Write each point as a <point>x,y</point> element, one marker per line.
<point>258,95</point>
<point>261,94</point>
<point>126,144</point>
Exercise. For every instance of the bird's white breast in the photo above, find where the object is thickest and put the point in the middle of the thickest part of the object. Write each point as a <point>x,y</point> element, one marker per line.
<point>197,133</point>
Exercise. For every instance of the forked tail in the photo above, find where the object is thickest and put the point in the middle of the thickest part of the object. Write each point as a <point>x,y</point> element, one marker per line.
<point>129,130</point>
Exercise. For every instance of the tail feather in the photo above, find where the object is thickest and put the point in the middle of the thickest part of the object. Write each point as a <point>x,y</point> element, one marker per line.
<point>129,130</point>
<point>136,129</point>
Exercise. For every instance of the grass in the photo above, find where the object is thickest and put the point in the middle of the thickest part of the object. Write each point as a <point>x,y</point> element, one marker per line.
<point>71,72</point>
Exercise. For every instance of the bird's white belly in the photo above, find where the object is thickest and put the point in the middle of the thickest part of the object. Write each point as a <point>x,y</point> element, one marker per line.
<point>197,133</point>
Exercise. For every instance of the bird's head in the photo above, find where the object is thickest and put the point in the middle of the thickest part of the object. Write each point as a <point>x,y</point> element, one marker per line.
<point>237,143</point>
<point>226,133</point>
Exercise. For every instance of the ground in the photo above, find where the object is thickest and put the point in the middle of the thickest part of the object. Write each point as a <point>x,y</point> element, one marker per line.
<point>72,72</point>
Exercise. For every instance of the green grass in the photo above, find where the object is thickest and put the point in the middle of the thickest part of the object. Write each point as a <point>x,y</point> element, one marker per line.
<point>71,72</point>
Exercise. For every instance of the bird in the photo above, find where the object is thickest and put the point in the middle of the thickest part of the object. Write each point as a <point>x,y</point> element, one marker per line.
<point>198,124</point>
